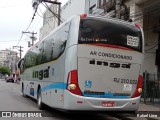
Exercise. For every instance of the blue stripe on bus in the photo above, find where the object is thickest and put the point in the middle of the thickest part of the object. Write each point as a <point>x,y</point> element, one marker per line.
<point>57,85</point>
<point>107,95</point>
<point>61,85</point>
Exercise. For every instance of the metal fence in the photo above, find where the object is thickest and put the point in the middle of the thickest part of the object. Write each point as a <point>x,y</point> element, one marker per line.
<point>151,88</point>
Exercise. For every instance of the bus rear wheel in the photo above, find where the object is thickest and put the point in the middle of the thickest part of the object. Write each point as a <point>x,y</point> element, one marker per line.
<point>39,100</point>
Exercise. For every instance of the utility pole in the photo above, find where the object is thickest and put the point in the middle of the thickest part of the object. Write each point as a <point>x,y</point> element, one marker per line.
<point>35,4</point>
<point>33,38</point>
<point>59,12</point>
<point>20,50</point>
<point>59,8</point>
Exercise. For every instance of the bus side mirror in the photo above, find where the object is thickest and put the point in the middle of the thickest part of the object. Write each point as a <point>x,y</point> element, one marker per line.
<point>20,63</point>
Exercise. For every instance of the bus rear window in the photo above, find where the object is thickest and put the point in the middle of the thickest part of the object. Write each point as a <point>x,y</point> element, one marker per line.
<point>98,31</point>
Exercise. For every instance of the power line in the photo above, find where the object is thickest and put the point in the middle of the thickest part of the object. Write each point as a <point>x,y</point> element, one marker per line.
<point>10,6</point>
<point>152,47</point>
<point>42,16</point>
<point>137,14</point>
<point>140,14</point>
<point>49,25</point>
<point>56,15</point>
<point>20,39</point>
<point>34,12</point>
<point>22,33</point>
<point>26,28</point>
<point>59,8</point>
<point>47,21</point>
<point>36,25</point>
<point>29,25</point>
<point>32,37</point>
<point>36,7</point>
<point>20,50</point>
<point>9,41</point>
<point>47,7</point>
<point>33,24</point>
<point>144,7</point>
<point>14,5</point>
<point>152,55</point>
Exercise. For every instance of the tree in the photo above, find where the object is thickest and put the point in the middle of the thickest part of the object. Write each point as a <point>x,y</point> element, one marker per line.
<point>4,70</point>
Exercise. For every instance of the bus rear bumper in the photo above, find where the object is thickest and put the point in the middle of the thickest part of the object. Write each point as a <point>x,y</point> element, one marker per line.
<point>81,103</point>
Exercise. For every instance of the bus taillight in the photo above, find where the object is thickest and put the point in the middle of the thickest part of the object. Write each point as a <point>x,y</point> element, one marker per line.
<point>72,83</point>
<point>83,16</point>
<point>138,26</point>
<point>138,90</point>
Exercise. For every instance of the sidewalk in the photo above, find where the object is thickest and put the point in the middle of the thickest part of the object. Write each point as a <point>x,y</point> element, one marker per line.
<point>149,107</point>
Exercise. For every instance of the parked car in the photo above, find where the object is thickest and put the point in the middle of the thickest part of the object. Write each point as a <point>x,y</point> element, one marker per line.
<point>10,79</point>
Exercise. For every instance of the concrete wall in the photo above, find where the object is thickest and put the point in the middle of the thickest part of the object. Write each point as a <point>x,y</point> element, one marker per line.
<point>46,29</point>
<point>151,39</point>
<point>138,14</point>
<point>49,22</point>
<point>90,4</point>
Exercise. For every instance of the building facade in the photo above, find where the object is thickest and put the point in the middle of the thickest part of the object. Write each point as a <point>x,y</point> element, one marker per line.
<point>50,21</point>
<point>9,59</point>
<point>3,56</point>
<point>144,12</point>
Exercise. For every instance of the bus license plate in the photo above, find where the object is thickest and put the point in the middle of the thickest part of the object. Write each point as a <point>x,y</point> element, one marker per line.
<point>108,104</point>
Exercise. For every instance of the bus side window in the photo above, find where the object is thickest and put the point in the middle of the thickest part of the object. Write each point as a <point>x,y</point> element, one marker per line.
<point>27,61</point>
<point>34,55</point>
<point>60,41</point>
<point>48,50</point>
<point>41,57</point>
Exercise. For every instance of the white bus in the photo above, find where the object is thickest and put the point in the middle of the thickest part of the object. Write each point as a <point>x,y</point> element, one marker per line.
<point>86,64</point>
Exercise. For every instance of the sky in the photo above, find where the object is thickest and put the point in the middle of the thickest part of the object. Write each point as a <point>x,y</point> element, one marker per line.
<point>15,17</point>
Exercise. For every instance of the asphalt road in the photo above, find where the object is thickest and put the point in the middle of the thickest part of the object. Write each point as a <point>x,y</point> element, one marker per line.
<point>11,100</point>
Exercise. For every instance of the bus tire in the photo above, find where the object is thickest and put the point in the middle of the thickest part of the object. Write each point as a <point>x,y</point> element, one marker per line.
<point>39,100</point>
<point>23,93</point>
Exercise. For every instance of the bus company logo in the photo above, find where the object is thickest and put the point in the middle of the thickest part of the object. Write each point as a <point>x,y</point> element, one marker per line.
<point>112,64</point>
<point>40,74</point>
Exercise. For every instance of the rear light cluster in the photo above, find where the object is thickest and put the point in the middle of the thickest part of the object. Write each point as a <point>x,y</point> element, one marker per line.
<point>83,16</point>
<point>138,26</point>
<point>138,90</point>
<point>72,83</point>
